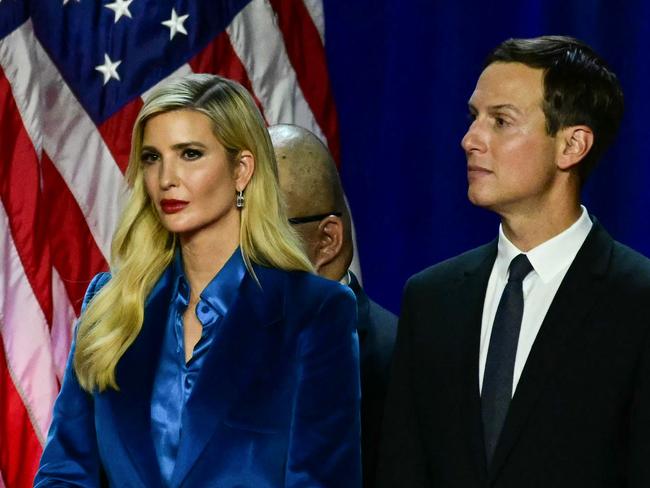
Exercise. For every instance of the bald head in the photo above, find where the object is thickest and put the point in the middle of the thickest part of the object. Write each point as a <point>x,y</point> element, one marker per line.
<point>311,186</point>
<point>308,175</point>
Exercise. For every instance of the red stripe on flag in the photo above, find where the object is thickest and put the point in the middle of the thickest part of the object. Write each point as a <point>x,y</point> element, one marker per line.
<point>220,58</point>
<point>20,450</point>
<point>116,132</point>
<point>22,198</point>
<point>307,55</point>
<point>75,253</point>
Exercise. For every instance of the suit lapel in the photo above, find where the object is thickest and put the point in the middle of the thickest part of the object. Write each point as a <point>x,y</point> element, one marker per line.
<point>468,310</point>
<point>363,308</point>
<point>135,374</point>
<point>237,353</point>
<point>581,288</point>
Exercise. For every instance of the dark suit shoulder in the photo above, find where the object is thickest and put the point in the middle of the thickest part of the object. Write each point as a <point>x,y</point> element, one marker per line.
<point>381,328</point>
<point>377,329</point>
<point>379,315</point>
<point>377,326</point>
<point>452,268</point>
<point>628,279</point>
<point>630,266</point>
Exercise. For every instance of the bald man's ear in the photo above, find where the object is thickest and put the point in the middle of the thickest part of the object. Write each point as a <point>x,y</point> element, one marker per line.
<point>574,144</point>
<point>329,241</point>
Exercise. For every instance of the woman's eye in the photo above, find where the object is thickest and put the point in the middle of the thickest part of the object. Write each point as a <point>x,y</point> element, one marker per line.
<point>148,157</point>
<point>192,154</point>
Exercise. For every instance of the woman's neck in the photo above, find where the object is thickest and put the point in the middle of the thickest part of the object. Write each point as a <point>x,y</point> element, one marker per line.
<point>203,257</point>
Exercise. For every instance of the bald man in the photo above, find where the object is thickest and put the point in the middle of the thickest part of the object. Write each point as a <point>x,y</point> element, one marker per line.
<point>316,206</point>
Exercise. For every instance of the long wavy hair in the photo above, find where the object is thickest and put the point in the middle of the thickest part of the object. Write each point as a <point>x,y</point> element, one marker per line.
<point>142,248</point>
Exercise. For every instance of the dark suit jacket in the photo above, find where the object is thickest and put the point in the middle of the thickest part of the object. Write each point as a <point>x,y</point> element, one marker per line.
<point>377,328</point>
<point>275,404</point>
<point>580,416</point>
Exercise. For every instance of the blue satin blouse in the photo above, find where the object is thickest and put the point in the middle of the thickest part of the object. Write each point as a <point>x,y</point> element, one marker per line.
<point>174,377</point>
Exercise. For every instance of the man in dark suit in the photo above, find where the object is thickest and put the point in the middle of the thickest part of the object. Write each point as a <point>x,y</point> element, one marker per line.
<point>315,202</point>
<point>526,362</point>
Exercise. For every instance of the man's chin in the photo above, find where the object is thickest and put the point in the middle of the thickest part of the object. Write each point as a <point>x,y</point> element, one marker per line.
<point>479,198</point>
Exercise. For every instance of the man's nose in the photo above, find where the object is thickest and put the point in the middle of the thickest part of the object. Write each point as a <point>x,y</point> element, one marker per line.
<point>474,138</point>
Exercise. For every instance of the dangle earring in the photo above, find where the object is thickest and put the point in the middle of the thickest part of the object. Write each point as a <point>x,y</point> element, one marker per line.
<point>240,199</point>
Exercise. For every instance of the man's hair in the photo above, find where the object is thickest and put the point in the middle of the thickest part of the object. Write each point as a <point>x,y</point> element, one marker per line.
<point>579,88</point>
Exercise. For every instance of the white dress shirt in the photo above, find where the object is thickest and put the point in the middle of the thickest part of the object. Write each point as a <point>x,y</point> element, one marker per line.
<point>551,260</point>
<point>347,279</point>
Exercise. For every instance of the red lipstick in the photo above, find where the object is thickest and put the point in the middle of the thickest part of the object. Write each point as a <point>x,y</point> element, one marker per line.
<point>172,206</point>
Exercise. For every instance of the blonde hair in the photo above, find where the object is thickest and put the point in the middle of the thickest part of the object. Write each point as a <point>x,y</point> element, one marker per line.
<point>142,248</point>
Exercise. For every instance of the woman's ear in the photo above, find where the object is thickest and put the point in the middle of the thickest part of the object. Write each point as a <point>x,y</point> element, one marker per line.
<point>575,143</point>
<point>244,168</point>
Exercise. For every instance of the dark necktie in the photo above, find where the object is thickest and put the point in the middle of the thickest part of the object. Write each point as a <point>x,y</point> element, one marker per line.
<point>497,378</point>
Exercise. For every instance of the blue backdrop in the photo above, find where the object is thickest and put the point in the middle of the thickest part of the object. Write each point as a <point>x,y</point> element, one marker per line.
<point>402,72</point>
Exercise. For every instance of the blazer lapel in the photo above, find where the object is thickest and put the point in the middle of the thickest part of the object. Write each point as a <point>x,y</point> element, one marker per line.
<point>581,288</point>
<point>135,374</point>
<point>238,351</point>
<point>468,310</point>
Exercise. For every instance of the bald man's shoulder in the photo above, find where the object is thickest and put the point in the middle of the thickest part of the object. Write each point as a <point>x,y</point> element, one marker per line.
<point>377,328</point>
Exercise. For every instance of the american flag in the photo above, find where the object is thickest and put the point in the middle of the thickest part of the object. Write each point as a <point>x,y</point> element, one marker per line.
<point>73,74</point>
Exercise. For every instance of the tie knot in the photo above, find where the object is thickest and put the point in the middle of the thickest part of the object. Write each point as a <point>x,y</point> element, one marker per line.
<point>519,268</point>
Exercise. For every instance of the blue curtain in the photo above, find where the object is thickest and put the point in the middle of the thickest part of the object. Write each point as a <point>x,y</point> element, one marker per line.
<point>402,72</point>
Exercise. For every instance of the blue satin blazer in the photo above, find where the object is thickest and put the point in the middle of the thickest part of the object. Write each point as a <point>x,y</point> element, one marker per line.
<point>276,403</point>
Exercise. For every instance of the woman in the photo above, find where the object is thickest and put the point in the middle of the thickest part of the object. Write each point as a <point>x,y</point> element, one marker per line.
<point>210,356</point>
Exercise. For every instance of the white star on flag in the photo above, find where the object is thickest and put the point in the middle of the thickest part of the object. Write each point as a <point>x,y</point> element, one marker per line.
<point>175,24</point>
<point>109,69</point>
<point>121,9</point>
<point>66,1</point>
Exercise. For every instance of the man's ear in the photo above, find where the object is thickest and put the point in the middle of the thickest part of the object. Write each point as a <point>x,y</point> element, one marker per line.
<point>329,242</point>
<point>574,144</point>
<point>244,168</point>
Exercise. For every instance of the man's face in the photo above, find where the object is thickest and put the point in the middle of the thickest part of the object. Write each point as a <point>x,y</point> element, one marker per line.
<point>510,158</point>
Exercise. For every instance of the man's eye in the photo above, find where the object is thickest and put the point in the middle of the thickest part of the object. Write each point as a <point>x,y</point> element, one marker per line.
<point>148,157</point>
<point>500,122</point>
<point>191,154</point>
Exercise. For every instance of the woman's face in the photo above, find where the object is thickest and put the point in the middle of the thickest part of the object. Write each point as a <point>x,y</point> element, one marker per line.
<point>188,176</point>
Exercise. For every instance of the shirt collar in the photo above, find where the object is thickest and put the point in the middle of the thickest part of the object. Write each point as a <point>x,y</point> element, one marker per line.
<point>220,293</point>
<point>550,257</point>
<point>181,289</point>
<point>346,279</point>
